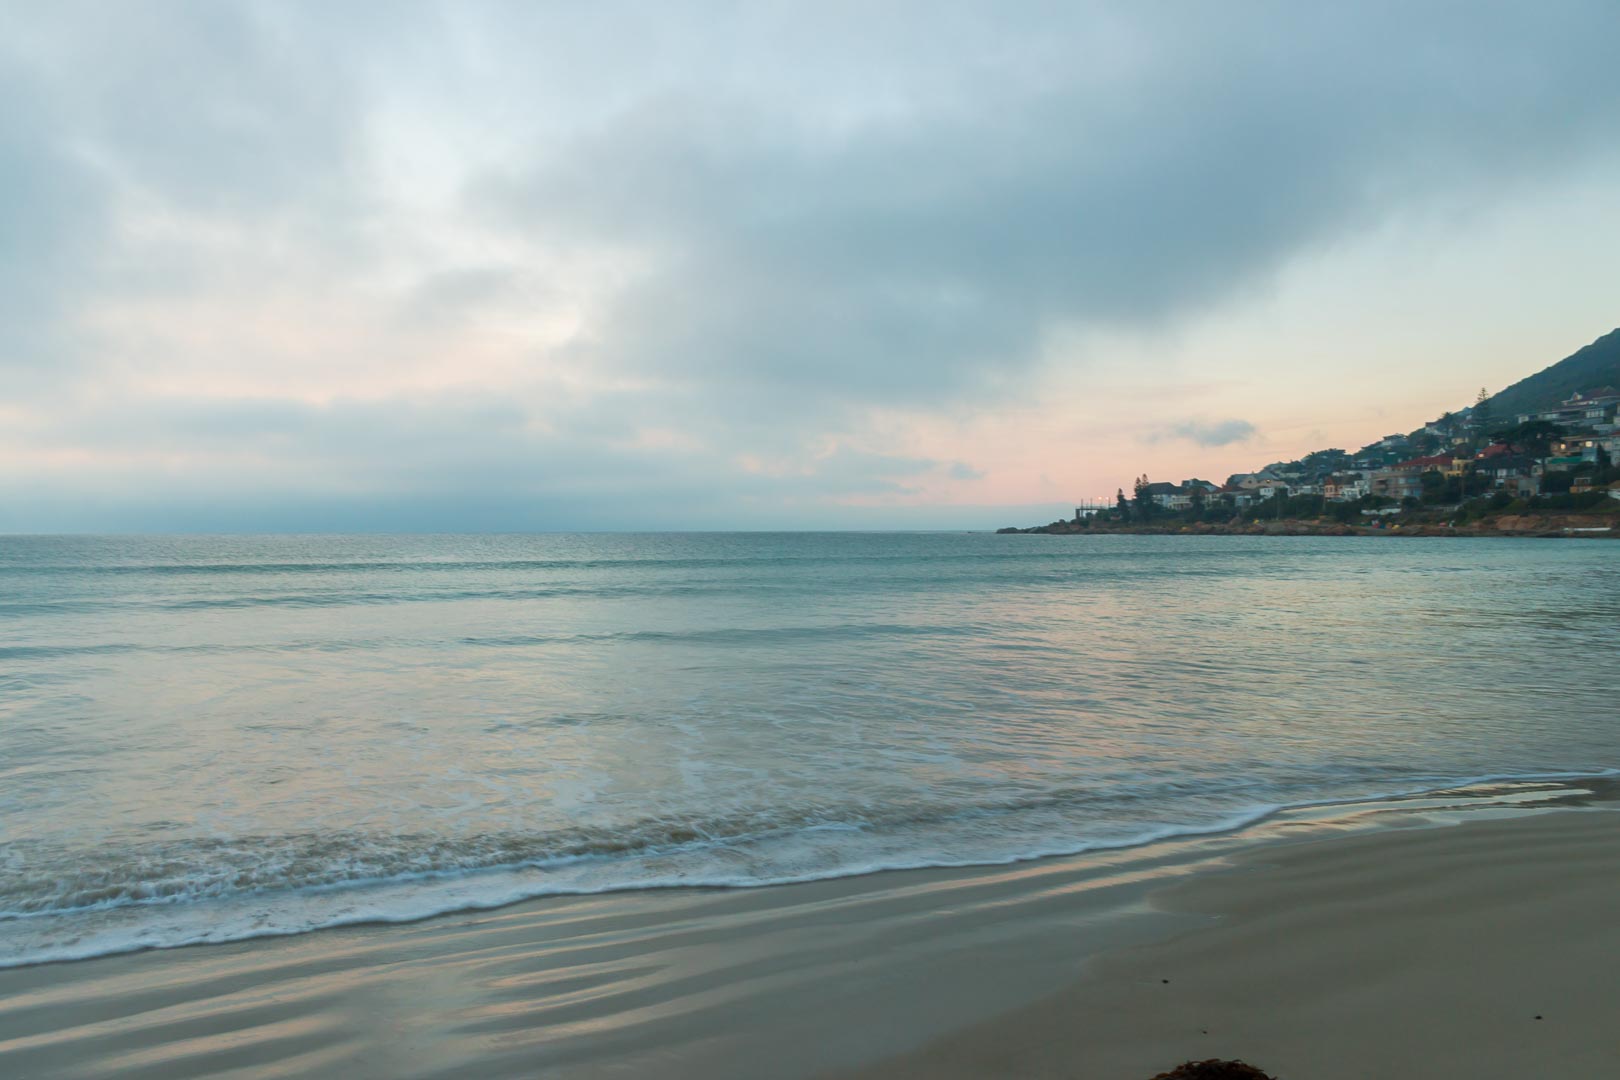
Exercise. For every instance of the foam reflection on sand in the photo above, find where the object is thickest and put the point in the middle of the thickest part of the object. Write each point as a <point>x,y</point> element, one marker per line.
<point>710,983</point>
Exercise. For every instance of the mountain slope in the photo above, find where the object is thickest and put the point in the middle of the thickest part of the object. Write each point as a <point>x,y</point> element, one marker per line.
<point>1591,368</point>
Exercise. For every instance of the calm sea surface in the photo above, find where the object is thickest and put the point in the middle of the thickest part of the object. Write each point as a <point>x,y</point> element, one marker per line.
<point>209,738</point>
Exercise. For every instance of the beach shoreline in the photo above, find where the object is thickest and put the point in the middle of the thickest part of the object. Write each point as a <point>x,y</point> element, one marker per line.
<point>1482,950</point>
<point>905,973</point>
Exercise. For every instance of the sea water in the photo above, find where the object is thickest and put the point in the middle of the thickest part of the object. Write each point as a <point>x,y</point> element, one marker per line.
<point>212,738</point>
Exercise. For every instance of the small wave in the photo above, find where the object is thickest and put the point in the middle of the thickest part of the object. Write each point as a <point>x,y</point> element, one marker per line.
<point>717,635</point>
<point>164,896</point>
<point>782,587</point>
<point>206,868</point>
<point>453,566</point>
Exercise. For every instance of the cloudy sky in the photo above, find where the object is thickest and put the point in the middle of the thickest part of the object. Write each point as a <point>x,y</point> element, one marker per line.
<point>471,265</point>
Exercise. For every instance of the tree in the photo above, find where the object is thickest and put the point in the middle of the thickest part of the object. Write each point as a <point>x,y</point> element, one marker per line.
<point>1144,504</point>
<point>1483,413</point>
<point>1325,462</point>
<point>1533,437</point>
<point>1120,505</point>
<point>1424,443</point>
<point>1434,486</point>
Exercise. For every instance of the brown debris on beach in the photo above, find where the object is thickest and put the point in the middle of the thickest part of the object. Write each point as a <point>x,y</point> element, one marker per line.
<point>1214,1069</point>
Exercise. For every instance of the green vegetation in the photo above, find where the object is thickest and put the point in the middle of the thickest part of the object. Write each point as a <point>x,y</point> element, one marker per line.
<point>1533,437</point>
<point>1484,410</point>
<point>1591,368</point>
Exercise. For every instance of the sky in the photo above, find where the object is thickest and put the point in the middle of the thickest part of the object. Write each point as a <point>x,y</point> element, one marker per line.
<point>533,266</point>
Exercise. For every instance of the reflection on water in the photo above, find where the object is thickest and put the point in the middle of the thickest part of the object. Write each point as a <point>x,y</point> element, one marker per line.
<point>208,738</point>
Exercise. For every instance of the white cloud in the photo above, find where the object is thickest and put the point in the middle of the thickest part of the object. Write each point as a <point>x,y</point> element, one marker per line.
<point>410,251</point>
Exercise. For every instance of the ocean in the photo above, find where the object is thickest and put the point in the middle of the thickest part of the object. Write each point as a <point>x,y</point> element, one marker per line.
<point>214,738</point>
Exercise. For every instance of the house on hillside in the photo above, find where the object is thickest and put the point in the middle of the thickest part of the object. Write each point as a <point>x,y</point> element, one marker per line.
<point>1432,463</point>
<point>1523,485</point>
<point>1405,479</point>
<point>1395,484</point>
<point>1251,481</point>
<point>1573,443</point>
<point>1162,495</point>
<point>1580,410</point>
<point>1587,445</point>
<point>1513,473</point>
<point>1345,488</point>
<point>1181,496</point>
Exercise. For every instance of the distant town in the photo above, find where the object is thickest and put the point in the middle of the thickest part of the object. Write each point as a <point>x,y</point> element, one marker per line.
<point>1549,471</point>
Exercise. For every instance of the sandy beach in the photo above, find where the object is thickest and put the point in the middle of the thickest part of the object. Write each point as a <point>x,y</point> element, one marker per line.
<point>1406,938</point>
<point>1483,950</point>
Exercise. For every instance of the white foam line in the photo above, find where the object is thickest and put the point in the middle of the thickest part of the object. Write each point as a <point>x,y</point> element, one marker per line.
<point>141,939</point>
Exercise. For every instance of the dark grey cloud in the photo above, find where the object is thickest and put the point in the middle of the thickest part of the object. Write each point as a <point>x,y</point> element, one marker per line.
<point>815,217</point>
<point>1208,432</point>
<point>915,261</point>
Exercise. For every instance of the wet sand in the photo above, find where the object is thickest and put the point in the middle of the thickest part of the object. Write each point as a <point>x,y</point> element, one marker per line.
<point>1481,951</point>
<point>1373,941</point>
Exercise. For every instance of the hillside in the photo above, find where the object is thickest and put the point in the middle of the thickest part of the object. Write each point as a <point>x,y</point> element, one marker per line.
<point>1593,367</point>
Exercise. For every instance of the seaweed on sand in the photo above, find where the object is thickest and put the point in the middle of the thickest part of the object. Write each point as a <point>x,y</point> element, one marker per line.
<point>1214,1069</point>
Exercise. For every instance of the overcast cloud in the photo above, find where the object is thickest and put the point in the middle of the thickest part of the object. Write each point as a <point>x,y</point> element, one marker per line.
<point>291,265</point>
<point>1208,433</point>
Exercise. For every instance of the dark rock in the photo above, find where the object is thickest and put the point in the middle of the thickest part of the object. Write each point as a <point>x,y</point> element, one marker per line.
<point>1214,1069</point>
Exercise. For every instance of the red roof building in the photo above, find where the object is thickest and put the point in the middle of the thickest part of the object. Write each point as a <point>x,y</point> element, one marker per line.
<point>1424,464</point>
